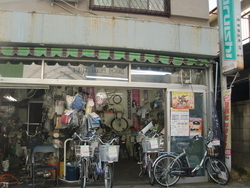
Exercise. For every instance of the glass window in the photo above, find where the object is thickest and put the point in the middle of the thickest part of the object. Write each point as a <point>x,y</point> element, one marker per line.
<point>156,7</point>
<point>159,74</point>
<point>187,121</point>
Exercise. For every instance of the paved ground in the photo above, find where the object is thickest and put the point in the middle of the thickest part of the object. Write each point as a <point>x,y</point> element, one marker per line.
<point>127,176</point>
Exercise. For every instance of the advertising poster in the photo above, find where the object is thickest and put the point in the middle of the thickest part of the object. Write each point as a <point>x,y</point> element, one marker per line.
<point>195,124</point>
<point>179,122</point>
<point>183,100</point>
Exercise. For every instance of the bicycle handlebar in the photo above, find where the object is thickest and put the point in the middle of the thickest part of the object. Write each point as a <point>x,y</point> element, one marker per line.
<point>89,139</point>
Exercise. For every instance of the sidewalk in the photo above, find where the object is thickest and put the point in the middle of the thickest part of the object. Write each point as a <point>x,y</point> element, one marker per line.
<point>189,185</point>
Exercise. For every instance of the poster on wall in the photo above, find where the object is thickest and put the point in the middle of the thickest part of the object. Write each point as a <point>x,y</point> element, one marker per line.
<point>183,100</point>
<point>179,122</point>
<point>135,104</point>
<point>195,124</point>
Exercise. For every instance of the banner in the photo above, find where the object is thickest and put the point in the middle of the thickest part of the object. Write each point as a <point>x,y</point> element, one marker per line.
<point>227,127</point>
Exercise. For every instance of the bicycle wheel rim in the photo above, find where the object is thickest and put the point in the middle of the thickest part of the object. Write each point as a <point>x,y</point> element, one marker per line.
<point>163,174</point>
<point>83,173</point>
<point>119,124</point>
<point>108,176</point>
<point>217,171</point>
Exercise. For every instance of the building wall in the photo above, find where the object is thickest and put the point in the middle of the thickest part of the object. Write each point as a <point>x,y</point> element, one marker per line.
<point>181,11</point>
<point>240,134</point>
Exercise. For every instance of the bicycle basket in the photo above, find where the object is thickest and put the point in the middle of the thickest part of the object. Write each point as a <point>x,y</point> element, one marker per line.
<point>150,145</point>
<point>83,150</point>
<point>213,151</point>
<point>109,153</point>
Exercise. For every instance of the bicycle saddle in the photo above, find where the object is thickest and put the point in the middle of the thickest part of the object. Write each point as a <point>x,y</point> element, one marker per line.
<point>182,145</point>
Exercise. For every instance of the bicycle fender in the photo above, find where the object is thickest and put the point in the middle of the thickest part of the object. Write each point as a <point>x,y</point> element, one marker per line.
<point>172,154</point>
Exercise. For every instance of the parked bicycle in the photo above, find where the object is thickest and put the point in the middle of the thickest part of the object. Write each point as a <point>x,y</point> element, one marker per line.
<point>96,160</point>
<point>117,122</point>
<point>169,167</point>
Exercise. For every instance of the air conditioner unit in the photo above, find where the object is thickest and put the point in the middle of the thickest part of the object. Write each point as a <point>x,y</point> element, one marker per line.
<point>68,1</point>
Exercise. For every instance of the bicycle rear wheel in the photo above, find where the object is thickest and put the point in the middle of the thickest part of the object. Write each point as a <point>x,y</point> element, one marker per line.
<point>124,153</point>
<point>217,171</point>
<point>84,173</point>
<point>119,124</point>
<point>108,176</point>
<point>163,171</point>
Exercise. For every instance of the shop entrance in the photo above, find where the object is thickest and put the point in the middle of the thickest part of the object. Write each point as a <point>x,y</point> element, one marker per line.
<point>39,117</point>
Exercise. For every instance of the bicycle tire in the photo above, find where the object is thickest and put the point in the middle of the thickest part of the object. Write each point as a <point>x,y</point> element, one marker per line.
<point>119,124</point>
<point>142,163</point>
<point>124,153</point>
<point>163,172</point>
<point>151,173</point>
<point>217,171</point>
<point>84,174</point>
<point>108,176</point>
<point>136,151</point>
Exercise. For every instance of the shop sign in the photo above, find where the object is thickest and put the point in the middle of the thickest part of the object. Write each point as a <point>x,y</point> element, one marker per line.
<point>230,36</point>
<point>227,126</point>
<point>72,72</point>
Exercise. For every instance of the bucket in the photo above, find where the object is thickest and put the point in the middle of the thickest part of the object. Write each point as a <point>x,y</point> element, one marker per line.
<point>72,173</point>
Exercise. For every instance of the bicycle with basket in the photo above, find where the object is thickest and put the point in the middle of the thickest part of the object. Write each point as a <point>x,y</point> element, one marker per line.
<point>169,167</point>
<point>97,159</point>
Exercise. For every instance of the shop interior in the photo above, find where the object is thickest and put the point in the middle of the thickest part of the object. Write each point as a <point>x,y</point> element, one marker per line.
<point>51,115</point>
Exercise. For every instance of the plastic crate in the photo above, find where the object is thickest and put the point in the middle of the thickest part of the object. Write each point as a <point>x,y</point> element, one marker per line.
<point>109,153</point>
<point>150,145</point>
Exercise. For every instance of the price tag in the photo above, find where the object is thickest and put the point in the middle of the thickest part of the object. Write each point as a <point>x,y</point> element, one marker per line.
<point>85,151</point>
<point>216,142</point>
<point>112,152</point>
<point>153,143</point>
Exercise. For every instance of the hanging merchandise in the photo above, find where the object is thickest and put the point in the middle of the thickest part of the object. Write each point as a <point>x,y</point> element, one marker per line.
<point>101,98</point>
<point>69,101</point>
<point>89,105</point>
<point>78,103</point>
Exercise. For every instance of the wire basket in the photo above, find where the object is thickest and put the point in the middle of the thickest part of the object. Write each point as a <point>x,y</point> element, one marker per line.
<point>83,150</point>
<point>150,145</point>
<point>109,153</point>
<point>213,151</point>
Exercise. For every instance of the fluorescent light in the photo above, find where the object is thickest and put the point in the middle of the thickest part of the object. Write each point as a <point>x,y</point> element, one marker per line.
<point>107,78</point>
<point>9,98</point>
<point>149,72</point>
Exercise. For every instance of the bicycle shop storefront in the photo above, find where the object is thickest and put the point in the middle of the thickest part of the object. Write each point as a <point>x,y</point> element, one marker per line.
<point>172,93</point>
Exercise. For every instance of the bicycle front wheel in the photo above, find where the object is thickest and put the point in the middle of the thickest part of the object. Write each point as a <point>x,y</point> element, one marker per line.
<point>217,171</point>
<point>166,171</point>
<point>151,173</point>
<point>119,124</point>
<point>84,173</point>
<point>136,149</point>
<point>108,176</point>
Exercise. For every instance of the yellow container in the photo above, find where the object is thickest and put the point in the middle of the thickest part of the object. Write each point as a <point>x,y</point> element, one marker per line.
<point>61,169</point>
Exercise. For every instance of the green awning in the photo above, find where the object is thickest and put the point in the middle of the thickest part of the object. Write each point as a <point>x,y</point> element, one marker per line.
<point>99,54</point>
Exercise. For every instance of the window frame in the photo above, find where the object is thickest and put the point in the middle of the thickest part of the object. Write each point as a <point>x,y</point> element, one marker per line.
<point>112,8</point>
